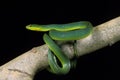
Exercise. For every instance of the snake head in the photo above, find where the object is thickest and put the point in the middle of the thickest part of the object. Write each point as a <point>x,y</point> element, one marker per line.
<point>35,27</point>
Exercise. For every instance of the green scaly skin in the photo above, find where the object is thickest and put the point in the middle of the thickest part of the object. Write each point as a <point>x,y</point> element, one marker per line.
<point>62,32</point>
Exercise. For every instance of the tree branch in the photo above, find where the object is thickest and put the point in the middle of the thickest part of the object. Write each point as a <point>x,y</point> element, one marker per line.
<point>26,65</point>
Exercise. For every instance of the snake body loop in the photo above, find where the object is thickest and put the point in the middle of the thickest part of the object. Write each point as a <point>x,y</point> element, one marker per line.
<point>64,32</point>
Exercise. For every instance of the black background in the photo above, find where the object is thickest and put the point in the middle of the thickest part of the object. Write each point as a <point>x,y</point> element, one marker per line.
<point>15,39</point>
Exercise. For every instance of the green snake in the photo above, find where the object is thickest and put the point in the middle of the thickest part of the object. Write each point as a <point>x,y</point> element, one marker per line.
<point>61,32</point>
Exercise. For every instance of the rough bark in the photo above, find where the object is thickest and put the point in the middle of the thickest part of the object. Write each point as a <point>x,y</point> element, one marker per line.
<point>26,65</point>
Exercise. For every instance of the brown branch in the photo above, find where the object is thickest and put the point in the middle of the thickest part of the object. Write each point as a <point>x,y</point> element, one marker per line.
<point>26,65</point>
